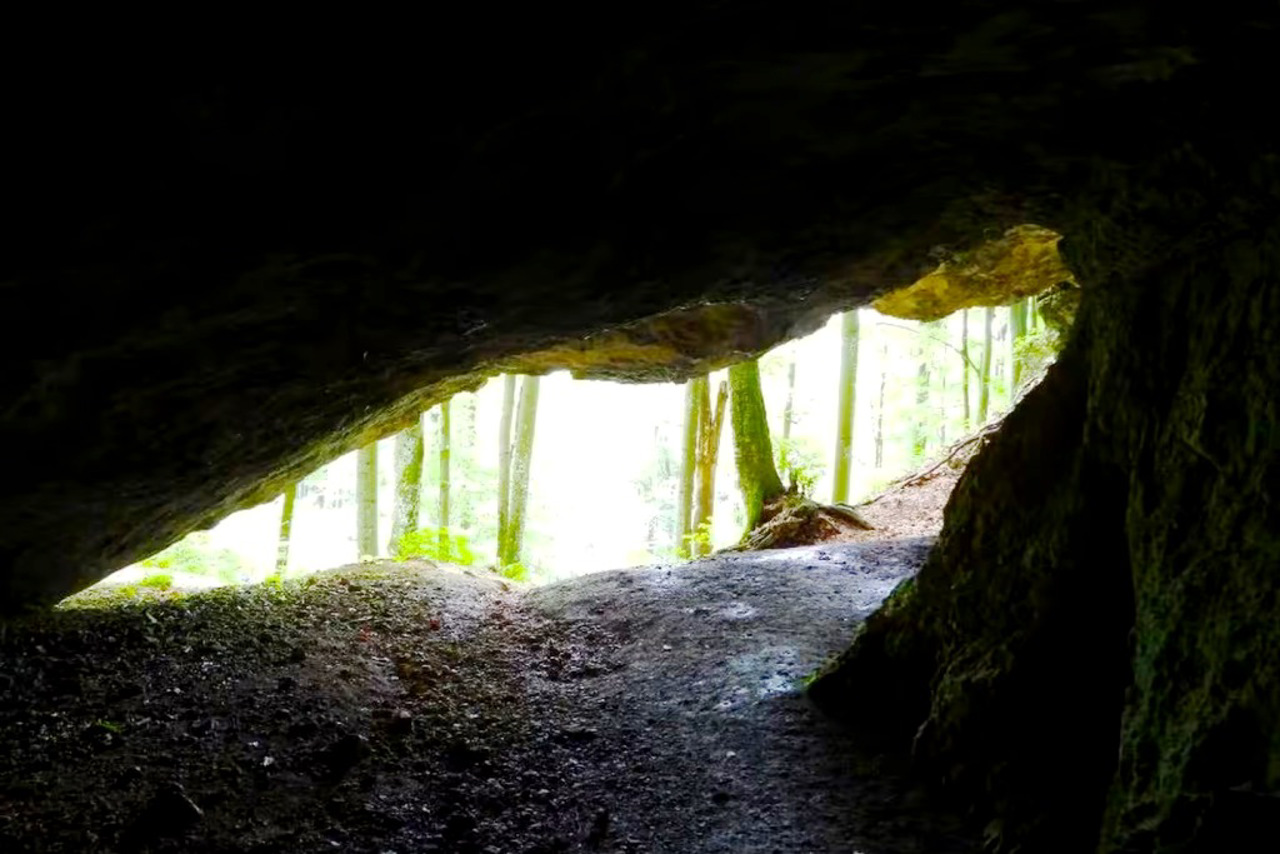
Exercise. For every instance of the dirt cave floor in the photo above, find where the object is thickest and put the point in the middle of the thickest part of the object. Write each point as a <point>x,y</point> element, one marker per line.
<point>414,708</point>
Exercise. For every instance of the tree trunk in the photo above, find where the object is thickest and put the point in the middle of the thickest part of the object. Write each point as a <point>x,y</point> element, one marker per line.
<point>1017,331</point>
<point>846,410</point>
<point>920,433</point>
<point>522,457</point>
<point>942,396</point>
<point>710,426</point>
<point>464,452</point>
<point>442,515</point>
<point>984,381</point>
<point>753,450</point>
<point>1000,355</point>
<point>688,467</point>
<point>367,501</point>
<point>504,461</point>
<point>785,456</point>
<point>788,413</point>
<point>884,361</point>
<point>409,452</point>
<point>964,351</point>
<point>286,526</point>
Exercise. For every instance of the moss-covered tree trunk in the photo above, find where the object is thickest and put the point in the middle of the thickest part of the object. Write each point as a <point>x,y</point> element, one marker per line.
<point>367,501</point>
<point>846,408</point>
<point>286,529</point>
<point>442,505</point>
<point>409,453</point>
<point>688,468</point>
<point>521,462</point>
<point>984,379</point>
<point>920,417</point>
<point>504,460</point>
<point>752,449</point>
<point>710,427</point>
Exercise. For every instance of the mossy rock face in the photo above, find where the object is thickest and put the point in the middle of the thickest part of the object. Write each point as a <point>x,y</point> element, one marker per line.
<point>1023,262</point>
<point>677,345</point>
<point>1058,307</point>
<point>1002,668</point>
<point>1106,574</point>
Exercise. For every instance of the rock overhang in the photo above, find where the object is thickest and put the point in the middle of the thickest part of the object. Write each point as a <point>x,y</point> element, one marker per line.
<point>243,279</point>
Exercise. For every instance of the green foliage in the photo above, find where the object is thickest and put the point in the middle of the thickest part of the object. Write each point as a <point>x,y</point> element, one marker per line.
<point>195,554</point>
<point>158,581</point>
<point>800,461</point>
<point>473,476</point>
<point>1037,350</point>
<point>658,485</point>
<point>516,571</point>
<point>700,539</point>
<point>425,544</point>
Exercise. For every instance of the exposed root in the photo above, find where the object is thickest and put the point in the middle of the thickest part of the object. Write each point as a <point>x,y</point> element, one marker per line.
<point>956,457</point>
<point>909,507</point>
<point>794,520</point>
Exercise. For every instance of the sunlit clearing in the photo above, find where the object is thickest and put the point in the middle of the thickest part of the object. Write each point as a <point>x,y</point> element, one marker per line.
<point>605,468</point>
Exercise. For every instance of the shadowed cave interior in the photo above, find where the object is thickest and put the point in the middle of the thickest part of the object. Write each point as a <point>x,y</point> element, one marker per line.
<point>218,283</point>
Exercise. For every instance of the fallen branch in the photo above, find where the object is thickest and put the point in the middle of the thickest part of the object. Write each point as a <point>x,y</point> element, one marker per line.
<point>977,438</point>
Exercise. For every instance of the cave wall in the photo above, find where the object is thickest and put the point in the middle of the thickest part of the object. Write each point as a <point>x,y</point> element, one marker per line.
<point>1002,666</point>
<point>1088,656</point>
<point>1197,418</point>
<point>218,281</point>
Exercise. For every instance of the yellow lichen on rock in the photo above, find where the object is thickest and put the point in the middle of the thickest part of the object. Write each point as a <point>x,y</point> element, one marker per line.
<point>1022,263</point>
<point>613,350</point>
<point>667,347</point>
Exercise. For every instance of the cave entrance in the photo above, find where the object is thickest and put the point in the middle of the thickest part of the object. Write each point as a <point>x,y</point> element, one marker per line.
<point>605,469</point>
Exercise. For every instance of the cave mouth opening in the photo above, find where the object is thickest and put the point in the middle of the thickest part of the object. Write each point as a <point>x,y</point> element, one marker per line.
<point>605,469</point>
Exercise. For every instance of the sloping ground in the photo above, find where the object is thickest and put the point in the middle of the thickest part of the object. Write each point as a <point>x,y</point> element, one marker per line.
<point>912,506</point>
<point>909,508</point>
<point>414,708</point>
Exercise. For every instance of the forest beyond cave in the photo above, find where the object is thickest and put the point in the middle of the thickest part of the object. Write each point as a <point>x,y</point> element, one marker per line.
<point>604,482</point>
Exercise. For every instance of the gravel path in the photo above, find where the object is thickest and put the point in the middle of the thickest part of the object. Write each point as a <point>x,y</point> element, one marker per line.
<point>409,708</point>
